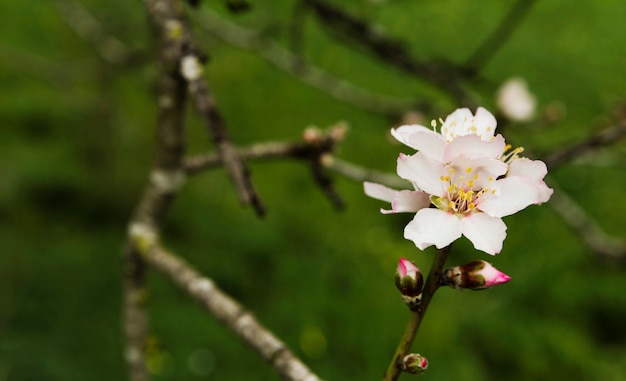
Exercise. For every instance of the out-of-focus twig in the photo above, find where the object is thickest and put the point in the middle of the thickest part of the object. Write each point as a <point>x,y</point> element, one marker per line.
<point>496,40</point>
<point>316,149</point>
<point>230,313</point>
<point>170,21</point>
<point>443,76</point>
<point>307,73</point>
<point>601,243</point>
<point>602,138</point>
<point>87,27</point>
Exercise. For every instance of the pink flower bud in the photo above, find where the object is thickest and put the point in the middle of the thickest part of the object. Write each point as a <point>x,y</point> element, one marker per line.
<point>414,364</point>
<point>409,279</point>
<point>476,275</point>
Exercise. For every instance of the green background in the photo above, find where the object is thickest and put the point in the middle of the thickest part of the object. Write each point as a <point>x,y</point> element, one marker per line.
<point>76,141</point>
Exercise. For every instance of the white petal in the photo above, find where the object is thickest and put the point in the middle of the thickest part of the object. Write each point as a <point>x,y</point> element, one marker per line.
<point>486,123</point>
<point>379,191</point>
<point>513,194</point>
<point>421,139</point>
<point>424,172</point>
<point>473,145</point>
<point>403,133</point>
<point>433,227</point>
<point>409,201</point>
<point>486,233</point>
<point>535,169</point>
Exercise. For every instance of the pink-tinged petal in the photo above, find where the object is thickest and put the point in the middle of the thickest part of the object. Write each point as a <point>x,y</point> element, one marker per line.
<point>424,172</point>
<point>408,201</point>
<point>379,191</point>
<point>431,144</point>
<point>513,194</point>
<point>483,170</point>
<point>493,276</point>
<point>433,227</point>
<point>486,233</point>
<point>401,201</point>
<point>473,146</point>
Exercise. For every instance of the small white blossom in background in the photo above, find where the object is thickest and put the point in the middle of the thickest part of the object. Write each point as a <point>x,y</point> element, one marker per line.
<point>515,101</point>
<point>465,180</point>
<point>191,68</point>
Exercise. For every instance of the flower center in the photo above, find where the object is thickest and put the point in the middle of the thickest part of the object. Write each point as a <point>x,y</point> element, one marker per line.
<point>464,189</point>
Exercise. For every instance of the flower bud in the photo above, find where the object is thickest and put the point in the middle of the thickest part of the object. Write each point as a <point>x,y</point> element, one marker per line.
<point>414,364</point>
<point>476,275</point>
<point>409,279</point>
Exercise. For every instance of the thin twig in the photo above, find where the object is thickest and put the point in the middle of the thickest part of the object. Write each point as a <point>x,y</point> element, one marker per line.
<point>317,150</point>
<point>230,313</point>
<point>165,179</point>
<point>602,138</point>
<point>602,244</point>
<point>293,64</point>
<point>496,40</point>
<point>87,27</point>
<point>442,75</point>
<point>169,19</point>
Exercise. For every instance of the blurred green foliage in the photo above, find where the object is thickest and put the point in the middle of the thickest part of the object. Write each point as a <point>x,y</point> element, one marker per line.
<point>76,143</point>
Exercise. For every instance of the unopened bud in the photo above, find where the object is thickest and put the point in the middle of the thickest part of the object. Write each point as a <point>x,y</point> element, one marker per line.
<point>414,364</point>
<point>476,275</point>
<point>409,281</point>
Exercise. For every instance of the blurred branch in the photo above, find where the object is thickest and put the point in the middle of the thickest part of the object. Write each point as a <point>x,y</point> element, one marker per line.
<point>230,313</point>
<point>602,138</point>
<point>87,27</point>
<point>171,23</point>
<point>602,244</point>
<point>500,36</point>
<point>285,60</point>
<point>316,149</point>
<point>444,76</point>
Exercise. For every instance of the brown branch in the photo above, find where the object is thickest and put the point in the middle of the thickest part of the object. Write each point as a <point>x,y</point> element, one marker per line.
<point>317,149</point>
<point>603,245</point>
<point>602,138</point>
<point>230,313</point>
<point>165,179</point>
<point>169,19</point>
<point>442,75</point>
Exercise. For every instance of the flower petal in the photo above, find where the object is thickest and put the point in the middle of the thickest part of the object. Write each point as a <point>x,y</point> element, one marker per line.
<point>473,146</point>
<point>424,172</point>
<point>513,194</point>
<point>433,227</point>
<point>401,201</point>
<point>379,191</point>
<point>409,201</point>
<point>421,139</point>
<point>486,233</point>
<point>535,169</point>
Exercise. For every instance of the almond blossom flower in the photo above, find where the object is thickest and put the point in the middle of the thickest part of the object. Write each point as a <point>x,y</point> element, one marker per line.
<point>515,100</point>
<point>472,179</point>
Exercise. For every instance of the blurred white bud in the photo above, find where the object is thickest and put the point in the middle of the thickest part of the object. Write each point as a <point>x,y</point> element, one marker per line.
<point>515,101</point>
